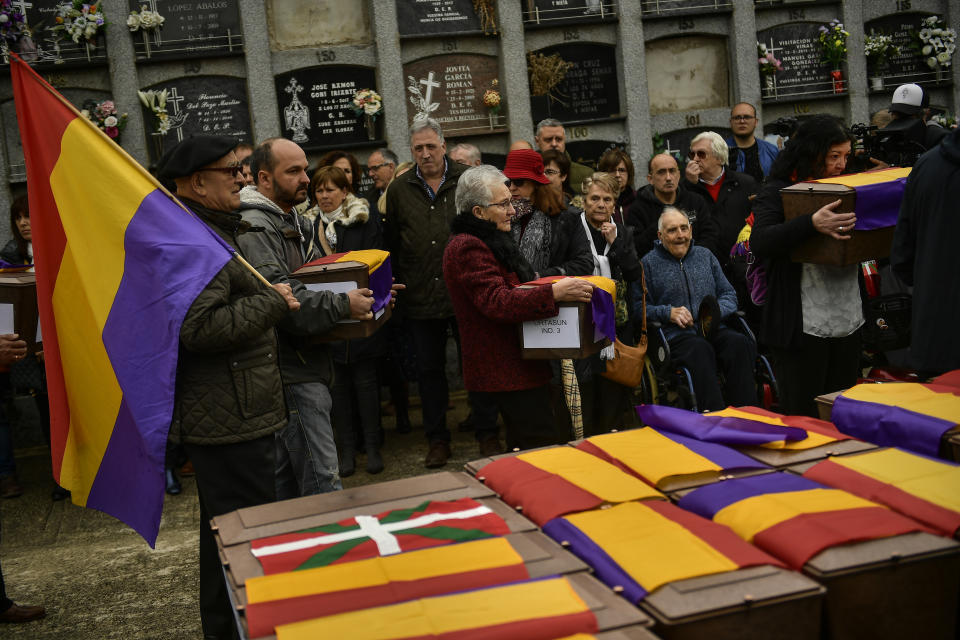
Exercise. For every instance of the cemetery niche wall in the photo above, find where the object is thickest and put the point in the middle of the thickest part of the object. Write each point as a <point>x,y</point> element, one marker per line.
<point>190,29</point>
<point>574,83</point>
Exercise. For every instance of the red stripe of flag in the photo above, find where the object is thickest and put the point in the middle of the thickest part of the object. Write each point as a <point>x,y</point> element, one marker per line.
<point>542,495</point>
<point>944,520</point>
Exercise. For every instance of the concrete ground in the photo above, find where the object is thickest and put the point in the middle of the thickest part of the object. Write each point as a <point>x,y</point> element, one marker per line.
<point>98,579</point>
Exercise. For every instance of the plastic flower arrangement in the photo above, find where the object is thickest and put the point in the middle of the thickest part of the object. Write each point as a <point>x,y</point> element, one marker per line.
<point>833,43</point>
<point>879,47</point>
<point>105,116</point>
<point>79,20</point>
<point>156,102</point>
<point>12,24</point>
<point>491,97</point>
<point>769,65</point>
<point>936,42</point>
<point>367,102</point>
<point>145,19</point>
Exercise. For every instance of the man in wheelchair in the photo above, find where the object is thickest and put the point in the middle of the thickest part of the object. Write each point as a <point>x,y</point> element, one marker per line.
<point>690,297</point>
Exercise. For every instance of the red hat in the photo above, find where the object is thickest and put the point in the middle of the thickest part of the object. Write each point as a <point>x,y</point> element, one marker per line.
<point>525,164</point>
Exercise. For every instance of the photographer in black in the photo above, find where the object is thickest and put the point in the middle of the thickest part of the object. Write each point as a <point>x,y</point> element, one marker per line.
<point>908,136</point>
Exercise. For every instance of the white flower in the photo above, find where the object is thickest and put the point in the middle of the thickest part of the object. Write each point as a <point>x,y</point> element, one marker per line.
<point>938,32</point>
<point>926,50</point>
<point>85,114</point>
<point>943,57</point>
<point>3,17</point>
<point>133,21</point>
<point>371,108</point>
<point>932,63</point>
<point>110,121</point>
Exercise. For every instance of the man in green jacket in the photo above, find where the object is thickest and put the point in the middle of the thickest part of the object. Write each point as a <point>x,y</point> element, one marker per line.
<point>551,134</point>
<point>420,208</point>
<point>228,401</point>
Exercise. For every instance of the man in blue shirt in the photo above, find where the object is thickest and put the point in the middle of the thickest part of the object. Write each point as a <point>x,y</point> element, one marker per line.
<point>748,154</point>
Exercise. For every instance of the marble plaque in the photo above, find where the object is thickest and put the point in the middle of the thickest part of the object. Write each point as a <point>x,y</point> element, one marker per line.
<point>212,105</point>
<point>16,169</point>
<point>191,29</point>
<point>315,107</point>
<point>48,49</point>
<point>689,72</point>
<point>805,74</point>
<point>316,23</point>
<point>451,88</point>
<point>908,65</point>
<point>668,8</point>
<point>548,13</point>
<point>437,17</point>
<point>590,91</point>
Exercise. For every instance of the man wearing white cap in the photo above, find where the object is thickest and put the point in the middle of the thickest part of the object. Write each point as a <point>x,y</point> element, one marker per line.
<point>910,101</point>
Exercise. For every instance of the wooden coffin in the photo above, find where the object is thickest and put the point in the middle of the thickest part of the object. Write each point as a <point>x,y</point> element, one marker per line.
<point>341,277</point>
<point>19,290</point>
<point>569,334</point>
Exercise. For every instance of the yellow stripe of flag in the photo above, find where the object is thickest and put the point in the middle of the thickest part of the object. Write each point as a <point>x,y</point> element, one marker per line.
<point>83,294</point>
<point>653,455</point>
<point>414,565</point>
<point>653,549</point>
<point>445,614</point>
<point>812,440</point>
<point>606,284</point>
<point>373,258</point>
<point>872,177</point>
<point>590,473</point>
<point>936,482</point>
<point>911,396</point>
<point>752,515</point>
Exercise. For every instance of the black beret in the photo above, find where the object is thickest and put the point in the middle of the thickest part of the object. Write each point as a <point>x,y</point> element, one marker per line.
<point>192,154</point>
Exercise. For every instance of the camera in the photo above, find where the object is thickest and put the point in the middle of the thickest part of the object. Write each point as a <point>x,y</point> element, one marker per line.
<point>784,127</point>
<point>899,144</point>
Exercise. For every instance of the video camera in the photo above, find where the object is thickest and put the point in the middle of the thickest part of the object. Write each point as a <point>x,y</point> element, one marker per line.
<point>899,144</point>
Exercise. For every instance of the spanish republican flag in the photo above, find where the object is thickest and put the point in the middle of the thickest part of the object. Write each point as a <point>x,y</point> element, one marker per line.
<point>640,546</point>
<point>921,488</point>
<point>118,265</point>
<point>553,482</point>
<point>601,303</point>
<point>378,267</point>
<point>794,518</point>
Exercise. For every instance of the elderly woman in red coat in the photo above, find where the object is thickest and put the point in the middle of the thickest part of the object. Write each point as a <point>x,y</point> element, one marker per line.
<point>482,266</point>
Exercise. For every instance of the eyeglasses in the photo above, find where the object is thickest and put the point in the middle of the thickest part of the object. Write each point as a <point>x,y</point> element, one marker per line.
<point>699,153</point>
<point>376,167</point>
<point>743,118</point>
<point>551,172</point>
<point>505,204</point>
<point>234,170</point>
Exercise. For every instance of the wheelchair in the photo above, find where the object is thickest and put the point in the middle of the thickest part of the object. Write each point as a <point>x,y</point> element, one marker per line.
<point>669,383</point>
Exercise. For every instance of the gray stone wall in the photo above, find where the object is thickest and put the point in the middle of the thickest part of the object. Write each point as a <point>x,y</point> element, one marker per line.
<point>368,35</point>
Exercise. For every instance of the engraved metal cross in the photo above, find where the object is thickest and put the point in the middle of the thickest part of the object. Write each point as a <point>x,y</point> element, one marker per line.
<point>430,84</point>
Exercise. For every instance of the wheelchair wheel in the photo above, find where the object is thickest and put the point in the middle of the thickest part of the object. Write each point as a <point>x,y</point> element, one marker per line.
<point>647,390</point>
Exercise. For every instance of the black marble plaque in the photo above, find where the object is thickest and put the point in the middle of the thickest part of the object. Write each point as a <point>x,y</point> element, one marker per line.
<point>548,13</point>
<point>588,152</point>
<point>213,105</point>
<point>909,64</point>
<point>498,160</point>
<point>48,49</point>
<point>590,91</point>
<point>315,107</point>
<point>437,17</point>
<point>670,8</point>
<point>677,144</point>
<point>804,74</point>
<point>191,28</point>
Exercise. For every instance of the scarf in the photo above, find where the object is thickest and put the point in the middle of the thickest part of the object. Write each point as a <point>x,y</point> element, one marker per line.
<point>500,243</point>
<point>533,235</point>
<point>329,231</point>
<point>601,263</point>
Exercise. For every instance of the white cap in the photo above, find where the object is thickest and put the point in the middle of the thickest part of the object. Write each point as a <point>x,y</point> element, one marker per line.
<point>908,99</point>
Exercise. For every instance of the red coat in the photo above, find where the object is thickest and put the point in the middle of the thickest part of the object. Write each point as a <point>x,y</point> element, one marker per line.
<point>489,311</point>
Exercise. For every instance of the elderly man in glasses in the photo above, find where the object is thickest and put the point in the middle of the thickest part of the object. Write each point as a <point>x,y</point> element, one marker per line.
<point>749,154</point>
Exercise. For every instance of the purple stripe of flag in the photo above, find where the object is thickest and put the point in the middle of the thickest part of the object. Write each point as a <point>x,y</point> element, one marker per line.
<point>726,430</point>
<point>707,501</point>
<point>724,457</point>
<point>381,281</point>
<point>889,426</point>
<point>170,257</point>
<point>601,305</point>
<point>604,567</point>
<point>878,205</point>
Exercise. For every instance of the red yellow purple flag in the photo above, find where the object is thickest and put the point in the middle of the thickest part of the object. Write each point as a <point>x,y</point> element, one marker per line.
<point>534,610</point>
<point>118,265</point>
<point>284,598</point>
<point>428,524</point>
<point>921,488</point>
<point>378,267</point>
<point>553,482</point>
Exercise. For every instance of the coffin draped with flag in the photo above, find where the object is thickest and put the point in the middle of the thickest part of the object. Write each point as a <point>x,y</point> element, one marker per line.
<point>118,265</point>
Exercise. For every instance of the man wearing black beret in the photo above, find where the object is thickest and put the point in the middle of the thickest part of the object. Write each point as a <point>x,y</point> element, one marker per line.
<point>229,397</point>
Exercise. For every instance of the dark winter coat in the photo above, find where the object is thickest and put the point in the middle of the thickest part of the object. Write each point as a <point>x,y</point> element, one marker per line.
<point>569,252</point>
<point>228,380</point>
<point>730,210</point>
<point>645,211</point>
<point>278,249</point>
<point>416,232</point>
<point>489,309</point>
<point>924,254</point>
<point>11,254</point>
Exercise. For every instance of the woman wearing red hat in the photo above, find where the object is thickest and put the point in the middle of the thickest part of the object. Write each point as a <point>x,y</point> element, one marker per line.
<point>550,239</point>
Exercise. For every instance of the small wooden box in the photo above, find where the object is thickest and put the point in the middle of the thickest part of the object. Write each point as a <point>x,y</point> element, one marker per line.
<point>569,334</point>
<point>755,602</point>
<point>20,290</point>
<point>780,458</point>
<point>341,277</point>
<point>805,198</point>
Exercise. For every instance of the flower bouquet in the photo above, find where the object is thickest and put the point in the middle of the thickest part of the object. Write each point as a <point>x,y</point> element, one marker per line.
<point>936,44</point>
<point>369,104</point>
<point>769,66</point>
<point>492,101</point>
<point>833,47</point>
<point>156,102</point>
<point>145,21</point>
<point>12,26</point>
<point>106,117</point>
<point>878,48</point>
<point>79,20</point>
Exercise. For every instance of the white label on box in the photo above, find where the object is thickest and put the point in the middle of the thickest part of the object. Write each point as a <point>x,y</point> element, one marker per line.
<point>562,331</point>
<point>6,318</point>
<point>335,287</point>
